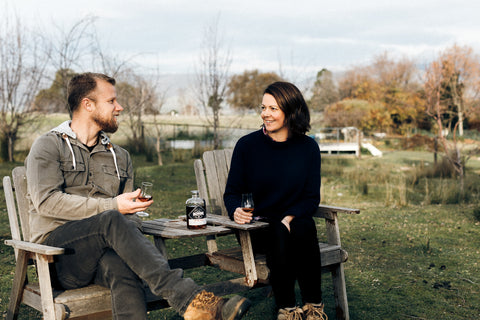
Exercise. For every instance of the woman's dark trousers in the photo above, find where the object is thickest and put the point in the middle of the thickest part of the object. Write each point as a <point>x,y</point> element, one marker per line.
<point>291,256</point>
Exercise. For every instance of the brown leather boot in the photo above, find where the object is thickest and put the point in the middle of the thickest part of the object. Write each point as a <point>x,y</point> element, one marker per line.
<point>314,311</point>
<point>207,306</point>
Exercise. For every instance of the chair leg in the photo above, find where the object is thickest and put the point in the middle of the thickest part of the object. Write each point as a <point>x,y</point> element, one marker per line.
<point>340,292</point>
<point>18,285</point>
<point>46,291</point>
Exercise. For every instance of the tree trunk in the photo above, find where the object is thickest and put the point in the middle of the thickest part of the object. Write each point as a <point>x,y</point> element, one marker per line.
<point>460,123</point>
<point>460,171</point>
<point>159,152</point>
<point>216,121</point>
<point>11,148</point>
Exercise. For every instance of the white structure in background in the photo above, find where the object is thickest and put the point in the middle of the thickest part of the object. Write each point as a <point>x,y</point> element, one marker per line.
<point>344,140</point>
<point>372,149</point>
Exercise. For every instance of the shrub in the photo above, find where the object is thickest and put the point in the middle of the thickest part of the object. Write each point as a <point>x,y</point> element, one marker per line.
<point>476,213</point>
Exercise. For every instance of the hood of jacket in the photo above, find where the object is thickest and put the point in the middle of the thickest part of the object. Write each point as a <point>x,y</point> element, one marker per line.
<point>64,128</point>
<point>66,132</point>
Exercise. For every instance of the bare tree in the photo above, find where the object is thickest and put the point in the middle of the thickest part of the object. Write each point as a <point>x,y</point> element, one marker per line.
<point>22,67</point>
<point>434,86</point>
<point>138,96</point>
<point>213,76</point>
<point>157,127</point>
<point>70,50</point>
<point>109,63</point>
<point>461,73</point>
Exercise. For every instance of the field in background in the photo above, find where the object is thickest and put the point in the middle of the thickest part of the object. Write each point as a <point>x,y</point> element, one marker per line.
<point>171,124</point>
<point>413,250</point>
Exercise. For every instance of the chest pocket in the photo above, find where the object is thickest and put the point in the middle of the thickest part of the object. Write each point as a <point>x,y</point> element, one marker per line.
<point>110,179</point>
<point>73,176</point>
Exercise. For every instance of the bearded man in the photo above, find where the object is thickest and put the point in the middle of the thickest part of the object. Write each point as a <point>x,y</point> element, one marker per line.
<point>81,196</point>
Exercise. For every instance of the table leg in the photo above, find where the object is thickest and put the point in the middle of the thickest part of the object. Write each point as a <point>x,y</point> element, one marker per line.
<point>212,244</point>
<point>160,244</point>
<point>248,258</point>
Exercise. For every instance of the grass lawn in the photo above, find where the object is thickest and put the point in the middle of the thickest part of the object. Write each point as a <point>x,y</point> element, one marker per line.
<point>410,256</point>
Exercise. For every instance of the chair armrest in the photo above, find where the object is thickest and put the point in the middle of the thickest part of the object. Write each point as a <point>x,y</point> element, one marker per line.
<point>35,247</point>
<point>330,212</point>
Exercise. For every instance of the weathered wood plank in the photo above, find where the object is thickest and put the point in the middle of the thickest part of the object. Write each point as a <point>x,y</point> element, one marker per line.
<point>325,211</point>
<point>35,247</point>
<point>18,284</point>
<point>11,209</point>
<point>48,307</point>
<point>201,182</point>
<point>340,292</point>
<point>221,161</point>
<point>226,222</point>
<point>228,157</point>
<point>248,258</point>
<point>20,184</point>
<point>176,229</point>
<point>235,263</point>
<point>231,259</point>
<point>216,197</point>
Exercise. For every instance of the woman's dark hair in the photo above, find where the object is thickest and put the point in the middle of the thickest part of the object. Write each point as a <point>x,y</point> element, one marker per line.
<point>81,85</point>
<point>292,103</point>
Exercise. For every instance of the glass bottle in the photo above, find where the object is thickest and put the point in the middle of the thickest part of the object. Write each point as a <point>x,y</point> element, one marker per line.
<point>196,212</point>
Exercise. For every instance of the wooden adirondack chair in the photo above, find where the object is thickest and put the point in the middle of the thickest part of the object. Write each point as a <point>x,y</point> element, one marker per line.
<point>91,302</point>
<point>211,176</point>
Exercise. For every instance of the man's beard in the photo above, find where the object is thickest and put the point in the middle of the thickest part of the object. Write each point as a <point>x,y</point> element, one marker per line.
<point>109,126</point>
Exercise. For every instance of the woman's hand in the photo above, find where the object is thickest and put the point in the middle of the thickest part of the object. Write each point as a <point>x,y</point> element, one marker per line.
<point>242,217</point>
<point>286,221</point>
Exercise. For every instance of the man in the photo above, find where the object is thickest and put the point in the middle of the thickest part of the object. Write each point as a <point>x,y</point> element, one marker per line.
<point>81,199</point>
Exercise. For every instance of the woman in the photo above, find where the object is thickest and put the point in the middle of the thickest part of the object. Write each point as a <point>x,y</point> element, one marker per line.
<point>280,166</point>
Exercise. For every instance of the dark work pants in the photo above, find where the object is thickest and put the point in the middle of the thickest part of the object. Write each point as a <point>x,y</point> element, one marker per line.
<point>110,250</point>
<point>291,256</point>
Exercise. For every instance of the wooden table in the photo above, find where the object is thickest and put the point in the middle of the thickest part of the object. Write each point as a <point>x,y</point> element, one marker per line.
<point>162,229</point>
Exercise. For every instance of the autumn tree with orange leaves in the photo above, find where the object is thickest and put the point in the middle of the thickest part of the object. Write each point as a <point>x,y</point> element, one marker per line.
<point>390,91</point>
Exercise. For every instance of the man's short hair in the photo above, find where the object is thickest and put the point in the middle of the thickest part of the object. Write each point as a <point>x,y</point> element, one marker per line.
<point>81,85</point>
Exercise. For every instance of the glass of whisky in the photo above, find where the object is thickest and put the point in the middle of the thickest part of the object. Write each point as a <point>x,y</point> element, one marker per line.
<point>145,195</point>
<point>247,203</point>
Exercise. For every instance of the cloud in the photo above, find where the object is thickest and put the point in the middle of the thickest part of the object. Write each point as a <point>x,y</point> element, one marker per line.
<point>300,35</point>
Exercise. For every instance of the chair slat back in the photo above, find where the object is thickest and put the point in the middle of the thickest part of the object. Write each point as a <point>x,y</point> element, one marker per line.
<point>212,177</point>
<point>20,185</point>
<point>11,209</point>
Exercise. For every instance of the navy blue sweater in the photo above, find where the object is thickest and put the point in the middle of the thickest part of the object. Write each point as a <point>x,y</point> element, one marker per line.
<point>284,177</point>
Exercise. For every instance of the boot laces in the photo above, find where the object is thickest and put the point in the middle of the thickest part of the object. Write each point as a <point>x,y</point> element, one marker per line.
<point>294,314</point>
<point>206,300</point>
<point>314,312</point>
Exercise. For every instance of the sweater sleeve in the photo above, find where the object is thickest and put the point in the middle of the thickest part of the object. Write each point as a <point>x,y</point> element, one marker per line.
<point>310,199</point>
<point>45,186</point>
<point>235,183</point>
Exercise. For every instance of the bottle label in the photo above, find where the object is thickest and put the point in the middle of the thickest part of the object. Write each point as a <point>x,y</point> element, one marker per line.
<point>196,216</point>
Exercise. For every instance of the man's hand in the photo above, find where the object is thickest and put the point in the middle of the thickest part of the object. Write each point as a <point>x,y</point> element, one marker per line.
<point>242,217</point>
<point>127,205</point>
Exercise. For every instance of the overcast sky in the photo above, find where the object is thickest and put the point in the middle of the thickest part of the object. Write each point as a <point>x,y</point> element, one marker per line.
<point>303,36</point>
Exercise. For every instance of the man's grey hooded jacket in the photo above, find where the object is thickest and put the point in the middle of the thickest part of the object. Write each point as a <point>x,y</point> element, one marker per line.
<point>68,182</point>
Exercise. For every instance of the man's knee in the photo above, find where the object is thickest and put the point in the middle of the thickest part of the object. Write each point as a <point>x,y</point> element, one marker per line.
<point>115,217</point>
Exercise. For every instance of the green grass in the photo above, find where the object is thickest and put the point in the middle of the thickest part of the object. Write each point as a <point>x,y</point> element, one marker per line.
<point>407,259</point>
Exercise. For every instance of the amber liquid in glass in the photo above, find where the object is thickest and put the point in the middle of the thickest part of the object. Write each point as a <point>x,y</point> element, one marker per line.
<point>145,198</point>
